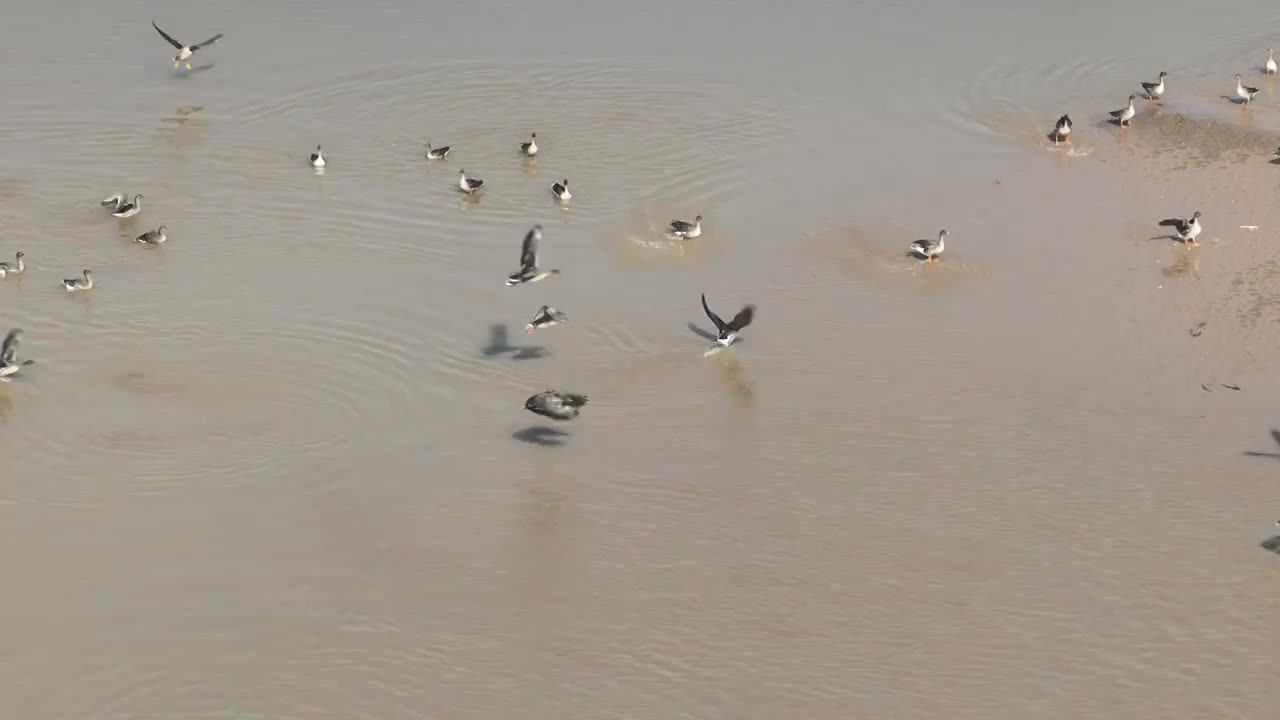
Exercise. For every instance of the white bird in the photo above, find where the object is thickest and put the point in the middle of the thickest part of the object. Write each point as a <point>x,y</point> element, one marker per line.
<point>1062,129</point>
<point>561,190</point>
<point>530,148</point>
<point>930,249</point>
<point>682,229</point>
<point>1126,114</point>
<point>152,237</point>
<point>9,364</point>
<point>545,317</point>
<point>466,184</point>
<point>439,153</point>
<point>317,158</point>
<point>127,208</point>
<point>529,270</point>
<point>1155,89</point>
<point>1188,229</point>
<point>14,268</point>
<point>1245,93</point>
<point>80,283</point>
<point>184,51</point>
<point>1270,66</point>
<point>116,201</point>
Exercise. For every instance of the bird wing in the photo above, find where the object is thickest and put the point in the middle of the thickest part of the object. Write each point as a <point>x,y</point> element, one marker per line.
<point>1118,113</point>
<point>714,317</point>
<point>116,200</point>
<point>166,35</point>
<point>1178,224</point>
<point>1149,86</point>
<point>529,248</point>
<point>742,319</point>
<point>10,347</point>
<point>210,41</point>
<point>680,225</point>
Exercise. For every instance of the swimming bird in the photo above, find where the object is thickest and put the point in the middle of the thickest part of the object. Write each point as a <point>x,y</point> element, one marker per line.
<point>682,229</point>
<point>80,283</point>
<point>116,201</point>
<point>1062,129</point>
<point>9,364</point>
<point>929,249</point>
<point>727,332</point>
<point>152,237</point>
<point>1155,89</point>
<point>317,158</point>
<point>1187,229</point>
<point>530,148</point>
<point>1270,66</point>
<point>529,270</point>
<point>184,51</point>
<point>555,404</point>
<point>546,317</point>
<point>561,190</point>
<point>14,268</point>
<point>439,153</point>
<point>1126,114</point>
<point>1245,93</point>
<point>468,185</point>
<point>128,208</point>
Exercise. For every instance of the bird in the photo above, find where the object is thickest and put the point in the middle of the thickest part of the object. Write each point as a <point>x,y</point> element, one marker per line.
<point>127,208</point>
<point>1270,66</point>
<point>152,237</point>
<point>468,185</point>
<point>1245,93</point>
<point>1062,129</point>
<point>530,148</point>
<point>184,51</point>
<point>727,332</point>
<point>9,364</point>
<point>529,270</point>
<point>116,201</point>
<point>439,153</point>
<point>561,190</point>
<point>555,404</point>
<point>1126,114</point>
<point>1278,152</point>
<point>1187,229</point>
<point>1155,89</point>
<point>14,268</point>
<point>79,283</point>
<point>929,249</point>
<point>545,317</point>
<point>682,229</point>
<point>317,158</point>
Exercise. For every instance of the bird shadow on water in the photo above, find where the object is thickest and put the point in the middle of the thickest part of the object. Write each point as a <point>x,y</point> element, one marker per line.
<point>700,332</point>
<point>541,435</point>
<point>500,344</point>
<point>1275,435</point>
<point>179,73</point>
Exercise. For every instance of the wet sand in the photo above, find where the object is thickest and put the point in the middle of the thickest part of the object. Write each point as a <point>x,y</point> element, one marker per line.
<point>279,467</point>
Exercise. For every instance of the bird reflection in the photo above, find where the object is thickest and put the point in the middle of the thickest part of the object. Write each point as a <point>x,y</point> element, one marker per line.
<point>741,390</point>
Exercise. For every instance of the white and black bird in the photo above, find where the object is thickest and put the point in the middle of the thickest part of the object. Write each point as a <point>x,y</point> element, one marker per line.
<point>439,153</point>
<point>17,267</point>
<point>1188,229</point>
<point>1270,66</point>
<point>1125,114</point>
<point>561,190</point>
<point>122,207</point>
<point>928,249</point>
<point>9,363</point>
<point>545,317</point>
<point>80,283</point>
<point>682,229</point>
<point>1062,130</point>
<point>184,51</point>
<point>317,158</point>
<point>1245,93</point>
<point>555,404</point>
<point>529,270</point>
<point>1156,89</point>
<point>727,332</point>
<point>530,148</point>
<point>466,184</point>
<point>153,237</point>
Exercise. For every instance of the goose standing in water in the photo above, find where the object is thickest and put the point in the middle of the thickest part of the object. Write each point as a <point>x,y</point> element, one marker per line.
<point>561,190</point>
<point>1270,66</point>
<point>14,268</point>
<point>9,364</point>
<point>682,229</point>
<point>317,158</point>
<point>184,51</point>
<point>127,208</point>
<point>80,283</point>
<point>439,153</point>
<point>529,270</point>
<point>152,237</point>
<point>530,148</point>
<point>555,404</point>
<point>1125,115</point>
<point>727,332</point>
<point>1245,93</point>
<point>466,184</point>
<point>1188,229</point>
<point>1062,129</point>
<point>546,317</point>
<point>929,249</point>
<point>1155,89</point>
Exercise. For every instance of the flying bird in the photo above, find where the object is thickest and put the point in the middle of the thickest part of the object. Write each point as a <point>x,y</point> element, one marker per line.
<point>682,229</point>
<point>1188,229</point>
<point>545,317</point>
<point>529,270</point>
<point>555,404</point>
<point>9,364</point>
<point>727,332</point>
<point>930,249</point>
<point>184,51</point>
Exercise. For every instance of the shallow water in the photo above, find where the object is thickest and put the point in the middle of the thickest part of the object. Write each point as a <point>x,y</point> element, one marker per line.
<point>278,467</point>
